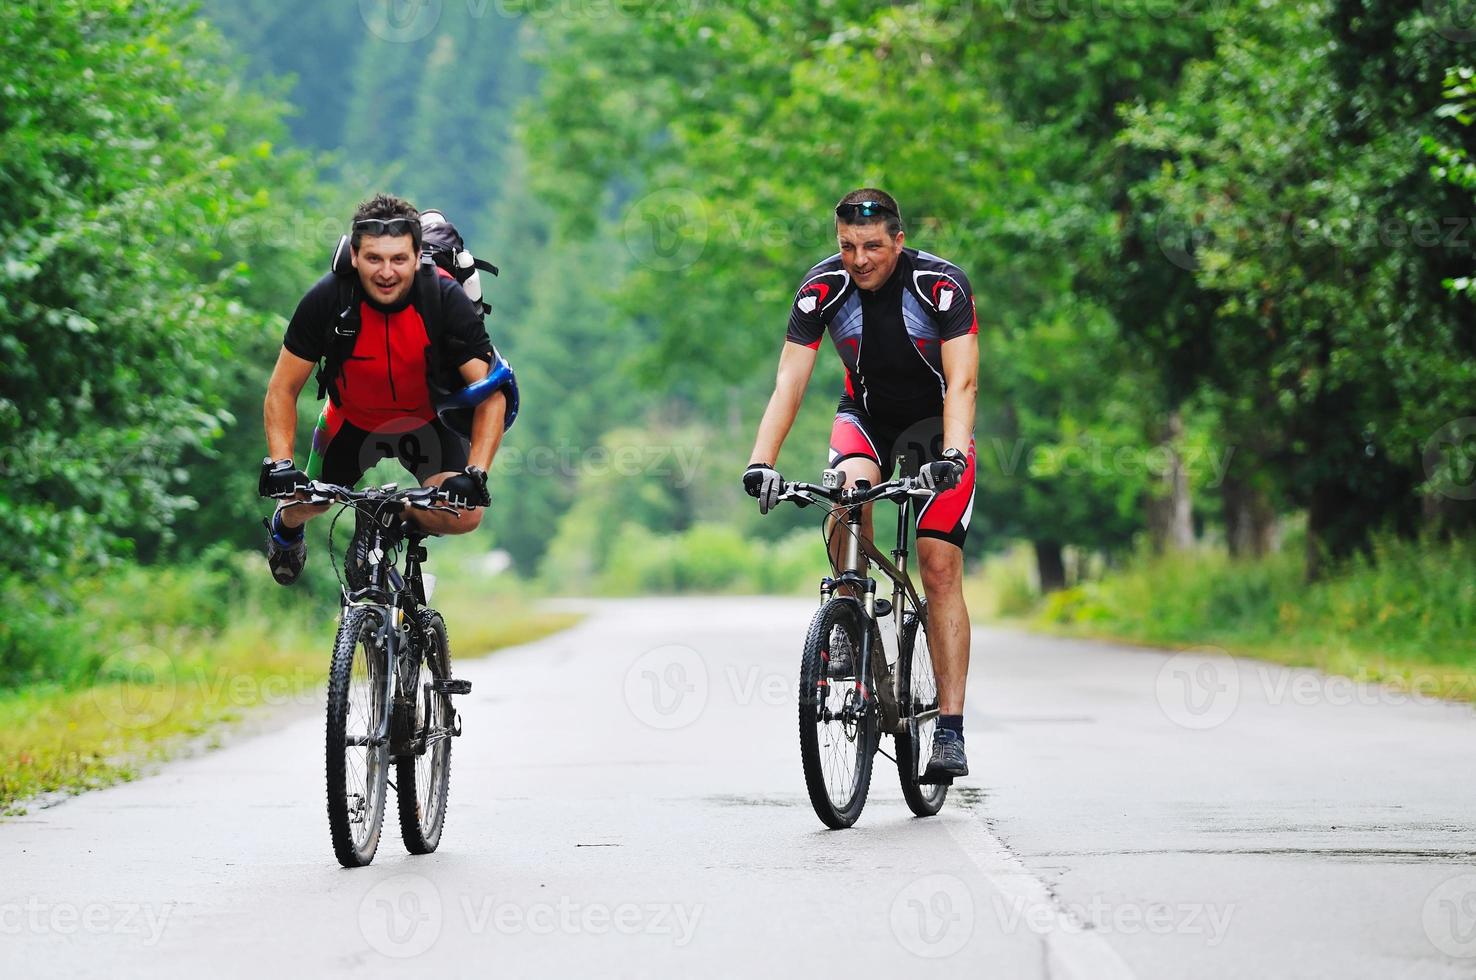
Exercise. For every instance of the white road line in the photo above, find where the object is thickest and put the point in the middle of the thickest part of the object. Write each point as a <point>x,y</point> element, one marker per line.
<point>1073,951</point>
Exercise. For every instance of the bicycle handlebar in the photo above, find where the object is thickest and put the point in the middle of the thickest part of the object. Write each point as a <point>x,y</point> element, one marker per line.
<point>804,494</point>
<point>417,498</point>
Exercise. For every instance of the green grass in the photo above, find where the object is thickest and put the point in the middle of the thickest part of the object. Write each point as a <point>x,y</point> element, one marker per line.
<point>1404,615</point>
<point>151,661</point>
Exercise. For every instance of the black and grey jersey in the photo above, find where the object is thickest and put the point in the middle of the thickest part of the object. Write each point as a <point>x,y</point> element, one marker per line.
<point>890,339</point>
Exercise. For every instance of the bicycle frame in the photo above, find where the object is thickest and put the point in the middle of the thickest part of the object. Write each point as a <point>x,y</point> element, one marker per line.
<point>397,598</point>
<point>850,575</point>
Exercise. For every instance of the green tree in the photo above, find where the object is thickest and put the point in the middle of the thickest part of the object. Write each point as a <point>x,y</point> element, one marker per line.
<point>123,157</point>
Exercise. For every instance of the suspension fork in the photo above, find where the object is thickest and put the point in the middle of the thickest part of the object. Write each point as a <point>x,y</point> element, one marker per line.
<point>851,575</point>
<point>391,658</point>
<point>899,558</point>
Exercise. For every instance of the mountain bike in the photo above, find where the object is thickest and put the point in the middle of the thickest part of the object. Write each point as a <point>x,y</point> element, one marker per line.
<point>843,714</point>
<point>390,683</point>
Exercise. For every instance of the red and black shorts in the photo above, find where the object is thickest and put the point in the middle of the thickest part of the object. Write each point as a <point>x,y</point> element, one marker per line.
<point>859,434</point>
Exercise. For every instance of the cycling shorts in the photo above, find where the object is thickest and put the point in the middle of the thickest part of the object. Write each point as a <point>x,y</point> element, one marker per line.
<point>343,453</point>
<point>857,434</point>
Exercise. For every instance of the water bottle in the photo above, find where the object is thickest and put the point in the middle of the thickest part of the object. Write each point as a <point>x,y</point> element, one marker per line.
<point>888,627</point>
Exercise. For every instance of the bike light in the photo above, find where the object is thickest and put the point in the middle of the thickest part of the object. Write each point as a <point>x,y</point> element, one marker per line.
<point>832,479</point>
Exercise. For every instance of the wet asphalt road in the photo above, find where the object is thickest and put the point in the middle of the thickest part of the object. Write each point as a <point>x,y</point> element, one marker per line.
<point>627,801</point>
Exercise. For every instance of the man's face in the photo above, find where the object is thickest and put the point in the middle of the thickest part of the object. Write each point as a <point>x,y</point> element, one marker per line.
<point>868,252</point>
<point>386,267</point>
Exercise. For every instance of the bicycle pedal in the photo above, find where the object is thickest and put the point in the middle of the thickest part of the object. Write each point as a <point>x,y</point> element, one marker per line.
<point>451,686</point>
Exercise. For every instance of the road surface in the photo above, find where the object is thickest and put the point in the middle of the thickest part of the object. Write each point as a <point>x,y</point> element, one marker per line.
<point>627,802</point>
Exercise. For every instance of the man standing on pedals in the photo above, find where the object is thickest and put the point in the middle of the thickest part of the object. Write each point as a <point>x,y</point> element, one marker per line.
<point>390,330</point>
<point>904,324</point>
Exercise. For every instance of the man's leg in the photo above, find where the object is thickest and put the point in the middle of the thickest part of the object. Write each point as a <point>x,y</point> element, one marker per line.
<point>434,454</point>
<point>852,451</point>
<point>941,564</point>
<point>942,527</point>
<point>855,468</point>
<point>297,515</point>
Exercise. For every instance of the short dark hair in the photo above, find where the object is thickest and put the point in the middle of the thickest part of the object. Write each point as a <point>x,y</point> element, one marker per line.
<point>385,207</point>
<point>893,220</point>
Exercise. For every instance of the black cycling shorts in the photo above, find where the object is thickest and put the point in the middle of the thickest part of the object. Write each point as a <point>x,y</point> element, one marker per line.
<point>424,448</point>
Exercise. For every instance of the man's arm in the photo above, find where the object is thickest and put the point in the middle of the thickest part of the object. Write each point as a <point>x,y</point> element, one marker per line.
<point>487,428</point>
<point>961,373</point>
<point>796,364</point>
<point>279,411</point>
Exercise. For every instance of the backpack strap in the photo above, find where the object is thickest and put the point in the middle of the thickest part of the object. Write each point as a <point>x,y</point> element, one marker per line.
<point>342,334</point>
<point>432,312</point>
<point>429,283</point>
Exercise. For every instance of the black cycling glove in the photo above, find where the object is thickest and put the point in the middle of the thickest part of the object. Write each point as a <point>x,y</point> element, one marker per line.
<point>468,488</point>
<point>764,482</point>
<point>280,478</point>
<point>945,473</point>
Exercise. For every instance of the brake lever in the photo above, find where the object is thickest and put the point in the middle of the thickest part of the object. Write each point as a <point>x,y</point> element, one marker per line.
<point>794,493</point>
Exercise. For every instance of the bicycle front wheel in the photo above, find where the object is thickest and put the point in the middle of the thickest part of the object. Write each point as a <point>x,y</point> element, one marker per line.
<point>422,781</point>
<point>838,729</point>
<point>357,760</point>
<point>917,700</point>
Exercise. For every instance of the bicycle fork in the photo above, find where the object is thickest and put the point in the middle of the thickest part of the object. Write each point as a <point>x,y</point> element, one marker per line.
<point>850,576</point>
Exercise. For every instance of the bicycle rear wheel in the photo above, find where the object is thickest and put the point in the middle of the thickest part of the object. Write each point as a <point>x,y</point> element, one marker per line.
<point>422,781</point>
<point>357,770</point>
<point>917,699</point>
<point>838,727</point>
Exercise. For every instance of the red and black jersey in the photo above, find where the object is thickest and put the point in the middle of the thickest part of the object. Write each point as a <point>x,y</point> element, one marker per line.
<point>384,381</point>
<point>891,338</point>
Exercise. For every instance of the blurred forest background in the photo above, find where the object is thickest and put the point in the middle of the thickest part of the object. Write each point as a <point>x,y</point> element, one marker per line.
<point>1223,253</point>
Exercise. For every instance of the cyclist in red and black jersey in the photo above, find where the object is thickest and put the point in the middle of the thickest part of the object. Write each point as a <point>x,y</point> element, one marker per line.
<point>904,324</point>
<point>379,396</point>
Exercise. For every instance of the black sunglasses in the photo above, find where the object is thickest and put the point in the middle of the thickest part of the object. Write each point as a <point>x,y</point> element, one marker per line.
<point>863,209</point>
<point>393,227</point>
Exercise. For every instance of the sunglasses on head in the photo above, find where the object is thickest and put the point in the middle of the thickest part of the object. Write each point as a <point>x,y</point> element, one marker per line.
<point>863,209</point>
<point>393,227</point>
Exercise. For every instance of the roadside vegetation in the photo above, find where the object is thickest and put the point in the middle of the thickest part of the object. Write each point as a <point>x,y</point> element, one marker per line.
<point>154,661</point>
<point>1403,614</point>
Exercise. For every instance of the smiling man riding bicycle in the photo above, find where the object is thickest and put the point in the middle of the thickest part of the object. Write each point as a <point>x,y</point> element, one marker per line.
<point>391,329</point>
<point>904,324</point>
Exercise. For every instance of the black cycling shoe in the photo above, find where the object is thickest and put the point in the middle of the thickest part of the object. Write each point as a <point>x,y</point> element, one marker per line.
<point>285,558</point>
<point>840,662</point>
<point>948,760</point>
<point>883,608</point>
